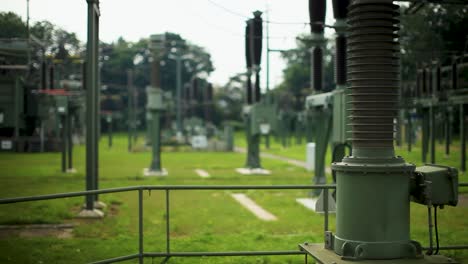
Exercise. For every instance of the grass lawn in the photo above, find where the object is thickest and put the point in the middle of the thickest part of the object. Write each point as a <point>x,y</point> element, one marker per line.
<point>200,220</point>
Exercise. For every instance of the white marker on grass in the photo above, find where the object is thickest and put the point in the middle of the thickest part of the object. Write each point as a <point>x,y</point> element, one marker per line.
<point>202,173</point>
<point>253,207</point>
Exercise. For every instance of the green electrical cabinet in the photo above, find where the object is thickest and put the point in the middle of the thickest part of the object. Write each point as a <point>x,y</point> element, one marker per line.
<point>262,118</point>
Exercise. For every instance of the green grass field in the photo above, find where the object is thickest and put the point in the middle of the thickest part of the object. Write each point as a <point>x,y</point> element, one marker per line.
<point>200,220</point>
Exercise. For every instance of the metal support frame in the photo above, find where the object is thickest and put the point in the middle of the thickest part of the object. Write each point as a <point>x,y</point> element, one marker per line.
<point>92,102</point>
<point>409,129</point>
<point>141,254</point>
<point>425,127</point>
<point>69,123</point>
<point>179,94</point>
<point>323,124</point>
<point>462,138</point>
<point>64,132</point>
<point>432,133</point>
<point>253,146</point>
<point>16,131</point>
<point>155,141</point>
<point>109,131</point>
<point>131,104</point>
<point>448,129</point>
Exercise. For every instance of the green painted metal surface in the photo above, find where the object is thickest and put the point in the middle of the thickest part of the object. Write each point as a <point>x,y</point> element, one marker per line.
<point>320,109</point>
<point>372,220</point>
<point>262,118</point>
<point>92,102</point>
<point>435,185</point>
<point>155,105</point>
<point>253,143</point>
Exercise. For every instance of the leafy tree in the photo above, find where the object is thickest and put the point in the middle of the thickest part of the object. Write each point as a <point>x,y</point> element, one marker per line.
<point>12,26</point>
<point>231,97</point>
<point>296,84</point>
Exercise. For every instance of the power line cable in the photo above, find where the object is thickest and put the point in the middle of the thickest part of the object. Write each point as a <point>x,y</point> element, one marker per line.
<point>247,17</point>
<point>234,33</point>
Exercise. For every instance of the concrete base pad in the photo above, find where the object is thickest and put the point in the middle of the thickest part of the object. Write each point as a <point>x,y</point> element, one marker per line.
<point>316,204</point>
<point>255,171</point>
<point>149,173</point>
<point>308,203</point>
<point>91,214</point>
<point>72,170</point>
<point>97,205</point>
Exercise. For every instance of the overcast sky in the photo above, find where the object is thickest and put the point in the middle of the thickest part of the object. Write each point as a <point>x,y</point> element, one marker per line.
<point>217,25</point>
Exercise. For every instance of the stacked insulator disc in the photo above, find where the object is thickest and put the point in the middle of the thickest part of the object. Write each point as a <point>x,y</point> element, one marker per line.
<point>373,72</point>
<point>317,68</point>
<point>340,60</point>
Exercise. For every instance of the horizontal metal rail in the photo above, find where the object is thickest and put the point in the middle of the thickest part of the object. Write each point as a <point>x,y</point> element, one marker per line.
<point>225,254</point>
<point>165,187</point>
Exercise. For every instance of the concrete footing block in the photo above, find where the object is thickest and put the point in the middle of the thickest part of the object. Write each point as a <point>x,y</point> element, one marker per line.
<point>317,205</point>
<point>97,205</point>
<point>71,171</point>
<point>254,171</point>
<point>90,214</point>
<point>150,173</point>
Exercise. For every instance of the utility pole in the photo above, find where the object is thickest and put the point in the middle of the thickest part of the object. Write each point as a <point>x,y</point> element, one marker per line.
<point>268,53</point>
<point>130,120</point>
<point>178,95</point>
<point>92,111</point>
<point>178,58</point>
<point>268,100</point>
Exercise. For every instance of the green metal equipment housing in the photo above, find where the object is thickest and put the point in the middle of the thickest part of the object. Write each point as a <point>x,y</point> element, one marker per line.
<point>262,118</point>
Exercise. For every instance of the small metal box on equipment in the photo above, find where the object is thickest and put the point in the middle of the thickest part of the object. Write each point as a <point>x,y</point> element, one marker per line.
<point>155,99</point>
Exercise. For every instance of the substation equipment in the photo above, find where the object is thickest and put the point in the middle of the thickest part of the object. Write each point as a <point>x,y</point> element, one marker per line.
<point>111,108</point>
<point>259,115</point>
<point>36,115</point>
<point>439,93</point>
<point>108,118</point>
<point>16,105</point>
<point>132,111</point>
<point>157,101</point>
<point>198,126</point>
<point>326,111</point>
<point>374,187</point>
<point>64,106</point>
<point>284,123</point>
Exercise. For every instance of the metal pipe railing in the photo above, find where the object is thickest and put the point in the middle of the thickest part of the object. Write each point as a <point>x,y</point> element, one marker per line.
<point>167,188</point>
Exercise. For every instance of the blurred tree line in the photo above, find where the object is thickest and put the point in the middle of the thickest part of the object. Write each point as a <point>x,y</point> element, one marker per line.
<point>49,43</point>
<point>57,46</point>
<point>434,33</point>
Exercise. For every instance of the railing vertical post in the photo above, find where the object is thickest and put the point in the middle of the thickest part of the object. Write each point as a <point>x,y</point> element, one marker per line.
<point>325,205</point>
<point>462,138</point>
<point>432,133</point>
<point>140,226</point>
<point>168,241</point>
